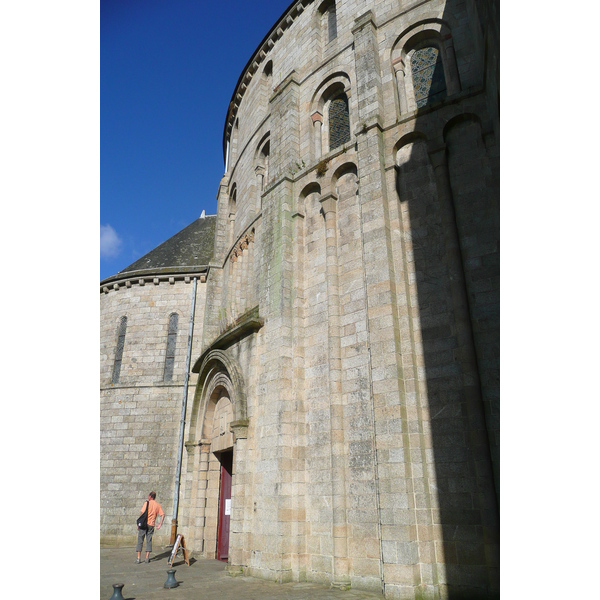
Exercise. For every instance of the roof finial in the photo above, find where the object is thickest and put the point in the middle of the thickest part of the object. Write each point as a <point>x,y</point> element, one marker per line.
<point>202,215</point>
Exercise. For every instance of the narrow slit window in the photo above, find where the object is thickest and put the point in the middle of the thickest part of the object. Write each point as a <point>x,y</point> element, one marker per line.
<point>232,209</point>
<point>339,122</point>
<point>171,344</point>
<point>428,76</point>
<point>331,24</point>
<point>119,352</point>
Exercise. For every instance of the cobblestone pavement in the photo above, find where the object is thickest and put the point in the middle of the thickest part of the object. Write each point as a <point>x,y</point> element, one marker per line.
<point>203,579</point>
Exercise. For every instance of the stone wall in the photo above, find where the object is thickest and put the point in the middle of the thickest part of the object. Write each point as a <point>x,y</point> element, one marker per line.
<point>140,415</point>
<point>367,343</point>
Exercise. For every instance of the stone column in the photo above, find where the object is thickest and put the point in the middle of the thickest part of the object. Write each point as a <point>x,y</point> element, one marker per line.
<point>232,286</point>
<point>471,384</point>
<point>399,68</point>
<point>204,447</point>
<point>341,568</point>
<point>188,504</point>
<point>250,298</point>
<point>273,475</point>
<point>260,186</point>
<point>213,310</point>
<point>231,227</point>
<point>457,279</point>
<point>244,278</point>
<point>239,282</point>
<point>453,81</point>
<point>285,128</point>
<point>299,520</point>
<point>393,493</point>
<point>317,119</point>
<point>222,233</point>
<point>237,543</point>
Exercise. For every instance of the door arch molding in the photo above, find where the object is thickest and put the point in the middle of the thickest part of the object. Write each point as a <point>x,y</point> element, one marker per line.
<point>219,377</point>
<point>218,368</point>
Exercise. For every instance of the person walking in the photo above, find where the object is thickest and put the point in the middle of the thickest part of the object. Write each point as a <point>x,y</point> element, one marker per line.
<point>154,510</point>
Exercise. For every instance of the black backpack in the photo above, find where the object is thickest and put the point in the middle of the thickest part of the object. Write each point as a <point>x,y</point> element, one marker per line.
<point>142,521</point>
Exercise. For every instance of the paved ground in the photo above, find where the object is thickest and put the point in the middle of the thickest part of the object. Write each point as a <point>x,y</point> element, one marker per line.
<point>201,580</point>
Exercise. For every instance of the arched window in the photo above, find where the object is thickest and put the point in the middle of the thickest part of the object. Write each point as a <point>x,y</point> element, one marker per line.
<point>330,114</point>
<point>268,75</point>
<point>262,169</point>
<point>331,23</point>
<point>264,162</point>
<point>266,84</point>
<point>427,70</point>
<point>234,142</point>
<point>328,22</point>
<point>424,65</point>
<point>232,210</point>
<point>171,343</point>
<point>119,352</point>
<point>339,122</point>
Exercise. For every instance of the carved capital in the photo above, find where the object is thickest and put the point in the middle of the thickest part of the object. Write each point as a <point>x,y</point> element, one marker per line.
<point>191,447</point>
<point>239,429</point>
<point>399,66</point>
<point>317,117</point>
<point>329,203</point>
<point>438,157</point>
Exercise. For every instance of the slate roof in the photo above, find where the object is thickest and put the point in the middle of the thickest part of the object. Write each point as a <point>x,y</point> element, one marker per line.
<point>189,249</point>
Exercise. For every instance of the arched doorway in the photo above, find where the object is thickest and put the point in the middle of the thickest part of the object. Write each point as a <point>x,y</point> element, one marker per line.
<point>217,440</point>
<point>217,421</point>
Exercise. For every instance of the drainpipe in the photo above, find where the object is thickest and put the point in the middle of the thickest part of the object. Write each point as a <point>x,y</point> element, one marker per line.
<point>183,409</point>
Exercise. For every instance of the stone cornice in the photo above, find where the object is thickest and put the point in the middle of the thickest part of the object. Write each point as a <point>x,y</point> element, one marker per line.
<point>365,19</point>
<point>153,277</point>
<point>248,323</point>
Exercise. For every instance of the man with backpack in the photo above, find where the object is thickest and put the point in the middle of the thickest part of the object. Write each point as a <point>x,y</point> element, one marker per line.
<point>146,526</point>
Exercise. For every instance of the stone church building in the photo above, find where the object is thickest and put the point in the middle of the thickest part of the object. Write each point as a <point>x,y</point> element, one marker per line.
<point>309,379</point>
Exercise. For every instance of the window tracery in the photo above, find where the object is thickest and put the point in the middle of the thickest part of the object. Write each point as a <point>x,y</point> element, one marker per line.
<point>427,70</point>
<point>424,65</point>
<point>339,122</point>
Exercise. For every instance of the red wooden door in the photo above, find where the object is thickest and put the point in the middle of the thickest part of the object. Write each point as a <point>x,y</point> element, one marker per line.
<point>224,507</point>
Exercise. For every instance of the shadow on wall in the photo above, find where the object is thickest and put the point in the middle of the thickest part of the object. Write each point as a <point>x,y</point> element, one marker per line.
<point>448,190</point>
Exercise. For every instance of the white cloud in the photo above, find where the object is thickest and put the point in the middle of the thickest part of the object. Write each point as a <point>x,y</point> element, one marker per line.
<point>110,242</point>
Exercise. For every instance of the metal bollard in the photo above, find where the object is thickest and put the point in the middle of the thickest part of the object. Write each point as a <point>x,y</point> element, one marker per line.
<point>171,581</point>
<point>117,587</point>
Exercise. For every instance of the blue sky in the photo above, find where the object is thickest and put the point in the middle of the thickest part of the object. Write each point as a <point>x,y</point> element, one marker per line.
<point>167,74</point>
